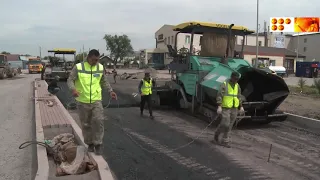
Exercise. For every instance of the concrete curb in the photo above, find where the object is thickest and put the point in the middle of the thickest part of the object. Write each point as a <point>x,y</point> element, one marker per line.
<point>42,158</point>
<point>43,165</point>
<point>309,123</point>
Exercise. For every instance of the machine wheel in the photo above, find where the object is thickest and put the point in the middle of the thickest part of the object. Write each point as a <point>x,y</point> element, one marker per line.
<point>2,74</point>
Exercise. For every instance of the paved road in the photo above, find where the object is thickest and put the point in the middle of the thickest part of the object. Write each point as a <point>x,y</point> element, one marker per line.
<point>140,148</point>
<point>16,127</point>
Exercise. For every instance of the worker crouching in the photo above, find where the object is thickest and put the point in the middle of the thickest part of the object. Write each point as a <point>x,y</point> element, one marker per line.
<point>86,81</point>
<point>229,102</point>
<point>145,90</point>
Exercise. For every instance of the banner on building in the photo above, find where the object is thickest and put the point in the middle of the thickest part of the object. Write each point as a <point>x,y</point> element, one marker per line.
<point>279,41</point>
<point>294,24</point>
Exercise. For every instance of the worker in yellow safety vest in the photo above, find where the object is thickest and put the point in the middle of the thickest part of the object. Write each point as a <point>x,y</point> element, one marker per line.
<point>145,90</point>
<point>86,81</point>
<point>229,102</point>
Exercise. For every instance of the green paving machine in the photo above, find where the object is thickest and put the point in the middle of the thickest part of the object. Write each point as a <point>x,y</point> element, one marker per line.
<point>197,78</point>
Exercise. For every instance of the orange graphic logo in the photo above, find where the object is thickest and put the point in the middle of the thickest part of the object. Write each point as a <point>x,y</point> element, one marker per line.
<point>274,27</point>
<point>306,24</point>
<point>288,21</point>
<point>280,21</point>
<point>274,21</point>
<point>281,27</point>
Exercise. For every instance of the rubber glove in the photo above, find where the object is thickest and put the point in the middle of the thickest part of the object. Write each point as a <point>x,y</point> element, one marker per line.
<point>241,110</point>
<point>219,110</point>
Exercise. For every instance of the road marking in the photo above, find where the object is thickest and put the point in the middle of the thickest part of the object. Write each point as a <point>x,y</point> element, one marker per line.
<point>187,162</point>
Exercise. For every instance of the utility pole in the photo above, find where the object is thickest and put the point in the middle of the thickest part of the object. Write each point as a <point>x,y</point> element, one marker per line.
<point>40,52</point>
<point>257,36</point>
<point>82,53</point>
<point>297,48</point>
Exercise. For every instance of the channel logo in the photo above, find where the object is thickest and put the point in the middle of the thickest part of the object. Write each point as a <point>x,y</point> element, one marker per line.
<point>294,24</point>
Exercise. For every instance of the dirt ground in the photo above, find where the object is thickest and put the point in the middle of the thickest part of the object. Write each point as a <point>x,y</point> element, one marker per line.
<point>302,105</point>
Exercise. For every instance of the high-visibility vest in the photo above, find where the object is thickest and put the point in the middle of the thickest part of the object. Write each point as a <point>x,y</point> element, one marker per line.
<point>230,98</point>
<point>146,87</point>
<point>88,82</point>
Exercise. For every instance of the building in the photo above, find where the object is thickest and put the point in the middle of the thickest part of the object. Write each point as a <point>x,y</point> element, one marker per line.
<point>307,44</point>
<point>271,56</point>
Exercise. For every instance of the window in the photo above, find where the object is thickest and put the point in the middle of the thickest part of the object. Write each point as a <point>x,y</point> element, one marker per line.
<point>165,40</point>
<point>272,62</point>
<point>260,43</point>
<point>200,41</point>
<point>172,42</point>
<point>187,39</point>
<point>305,40</point>
<point>160,37</point>
<point>304,49</point>
<point>168,40</point>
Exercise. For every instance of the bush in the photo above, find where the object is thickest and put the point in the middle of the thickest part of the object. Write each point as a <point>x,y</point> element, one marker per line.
<point>317,84</point>
<point>301,84</point>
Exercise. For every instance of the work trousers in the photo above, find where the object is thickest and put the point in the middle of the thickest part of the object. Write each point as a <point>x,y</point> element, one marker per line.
<point>146,99</point>
<point>91,119</point>
<point>229,116</point>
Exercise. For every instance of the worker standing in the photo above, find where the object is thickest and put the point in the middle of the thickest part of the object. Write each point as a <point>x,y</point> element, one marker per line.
<point>145,89</point>
<point>86,81</point>
<point>229,102</point>
<point>115,73</point>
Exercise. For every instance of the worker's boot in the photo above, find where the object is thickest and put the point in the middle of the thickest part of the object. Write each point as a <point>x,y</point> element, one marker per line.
<point>98,149</point>
<point>141,113</point>
<point>216,137</point>
<point>225,144</point>
<point>90,148</point>
<point>151,117</point>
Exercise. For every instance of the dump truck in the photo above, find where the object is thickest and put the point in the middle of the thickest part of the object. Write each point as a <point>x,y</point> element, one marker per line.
<point>60,66</point>
<point>34,65</point>
<point>198,78</point>
<point>5,69</point>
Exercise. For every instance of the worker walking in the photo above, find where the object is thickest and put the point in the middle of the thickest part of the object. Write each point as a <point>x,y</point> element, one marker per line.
<point>229,102</point>
<point>145,89</point>
<point>86,81</point>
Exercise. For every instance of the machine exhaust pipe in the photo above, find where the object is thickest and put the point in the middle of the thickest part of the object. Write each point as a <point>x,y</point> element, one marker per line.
<point>224,61</point>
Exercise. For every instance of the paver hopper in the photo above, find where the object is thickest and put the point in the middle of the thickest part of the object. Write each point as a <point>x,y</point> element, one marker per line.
<point>198,77</point>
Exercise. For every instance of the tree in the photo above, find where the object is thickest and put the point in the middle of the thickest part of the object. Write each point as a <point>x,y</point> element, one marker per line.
<point>81,57</point>
<point>4,52</point>
<point>118,46</point>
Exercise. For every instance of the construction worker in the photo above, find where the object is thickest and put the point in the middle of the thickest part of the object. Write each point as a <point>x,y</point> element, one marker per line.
<point>53,87</point>
<point>86,81</point>
<point>229,102</point>
<point>145,89</point>
<point>115,73</point>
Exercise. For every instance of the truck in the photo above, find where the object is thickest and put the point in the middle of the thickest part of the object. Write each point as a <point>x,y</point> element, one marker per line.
<point>5,69</point>
<point>34,65</point>
<point>198,77</point>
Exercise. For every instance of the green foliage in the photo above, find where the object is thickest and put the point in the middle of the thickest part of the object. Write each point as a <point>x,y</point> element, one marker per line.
<point>317,84</point>
<point>4,52</point>
<point>81,57</point>
<point>118,46</point>
<point>301,84</point>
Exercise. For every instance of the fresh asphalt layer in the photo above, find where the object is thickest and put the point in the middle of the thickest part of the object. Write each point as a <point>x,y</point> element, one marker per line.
<point>141,148</point>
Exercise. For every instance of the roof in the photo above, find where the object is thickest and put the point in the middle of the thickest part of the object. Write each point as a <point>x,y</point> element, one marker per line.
<point>187,27</point>
<point>106,57</point>
<point>269,50</point>
<point>306,33</point>
<point>63,51</point>
<point>13,57</point>
<point>165,26</point>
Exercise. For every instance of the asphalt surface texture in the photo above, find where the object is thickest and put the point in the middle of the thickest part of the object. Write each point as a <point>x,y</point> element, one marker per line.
<point>141,148</point>
<point>16,127</point>
<point>145,149</point>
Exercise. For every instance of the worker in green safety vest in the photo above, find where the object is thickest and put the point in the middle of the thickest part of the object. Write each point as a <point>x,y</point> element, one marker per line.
<point>229,102</point>
<point>145,90</point>
<point>86,81</point>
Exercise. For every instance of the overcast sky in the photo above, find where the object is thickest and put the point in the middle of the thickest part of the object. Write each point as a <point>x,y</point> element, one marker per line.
<point>28,24</point>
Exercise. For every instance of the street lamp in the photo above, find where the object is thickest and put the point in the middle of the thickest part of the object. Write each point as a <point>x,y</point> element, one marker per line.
<point>257,35</point>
